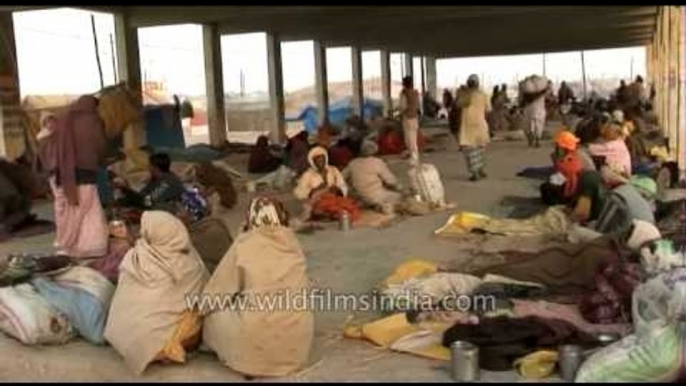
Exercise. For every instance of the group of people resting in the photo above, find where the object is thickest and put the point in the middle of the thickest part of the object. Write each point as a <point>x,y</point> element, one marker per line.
<point>595,180</point>
<point>166,303</point>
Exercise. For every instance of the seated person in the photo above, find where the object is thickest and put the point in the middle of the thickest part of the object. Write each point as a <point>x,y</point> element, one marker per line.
<point>639,195</point>
<point>296,152</point>
<point>163,191</point>
<point>261,158</point>
<point>269,342</point>
<point>325,135</point>
<point>148,319</point>
<point>553,192</point>
<point>322,189</point>
<point>614,149</point>
<point>371,179</point>
<point>15,198</point>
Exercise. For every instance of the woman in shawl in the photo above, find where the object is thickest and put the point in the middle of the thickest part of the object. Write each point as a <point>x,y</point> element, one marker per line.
<point>149,318</point>
<point>72,147</point>
<point>323,190</point>
<point>261,159</point>
<point>265,261</point>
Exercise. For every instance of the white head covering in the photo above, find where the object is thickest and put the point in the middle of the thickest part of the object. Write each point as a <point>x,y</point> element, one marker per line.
<point>316,151</point>
<point>369,148</point>
<point>643,232</point>
<point>618,116</point>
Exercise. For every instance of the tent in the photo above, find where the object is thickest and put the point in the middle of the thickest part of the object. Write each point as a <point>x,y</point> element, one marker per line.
<point>338,113</point>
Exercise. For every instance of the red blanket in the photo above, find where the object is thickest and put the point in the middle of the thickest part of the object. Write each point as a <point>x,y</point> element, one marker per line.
<point>330,207</point>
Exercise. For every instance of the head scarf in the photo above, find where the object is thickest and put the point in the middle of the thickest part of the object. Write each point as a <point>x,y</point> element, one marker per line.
<point>565,139</point>
<point>47,143</point>
<point>266,211</point>
<point>570,166</point>
<point>611,132</point>
<point>164,246</point>
<point>645,185</point>
<point>369,148</point>
<point>317,151</point>
<point>642,233</point>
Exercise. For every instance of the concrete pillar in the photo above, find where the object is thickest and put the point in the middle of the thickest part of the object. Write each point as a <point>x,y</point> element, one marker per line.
<point>358,88</point>
<point>12,136</point>
<point>386,82</point>
<point>129,71</point>
<point>431,85</point>
<point>276,94</point>
<point>214,83</point>
<point>321,80</point>
<point>409,68</point>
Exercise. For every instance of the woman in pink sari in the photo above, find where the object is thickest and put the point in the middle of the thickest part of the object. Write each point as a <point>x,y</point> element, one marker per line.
<point>71,148</point>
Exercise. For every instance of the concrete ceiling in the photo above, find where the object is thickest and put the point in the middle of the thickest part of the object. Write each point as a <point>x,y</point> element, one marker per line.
<point>443,31</point>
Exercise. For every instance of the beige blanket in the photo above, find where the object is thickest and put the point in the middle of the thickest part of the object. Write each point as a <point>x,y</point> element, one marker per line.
<point>155,277</point>
<point>264,341</point>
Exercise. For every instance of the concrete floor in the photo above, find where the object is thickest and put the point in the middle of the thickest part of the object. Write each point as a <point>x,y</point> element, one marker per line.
<point>344,262</point>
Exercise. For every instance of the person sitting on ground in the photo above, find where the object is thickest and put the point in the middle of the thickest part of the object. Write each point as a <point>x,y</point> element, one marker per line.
<point>149,319</point>
<point>639,194</point>
<point>163,191</point>
<point>15,197</point>
<point>372,180</point>
<point>582,189</point>
<point>326,134</point>
<point>261,342</point>
<point>261,158</point>
<point>322,189</point>
<point>553,191</point>
<point>616,154</point>
<point>296,152</point>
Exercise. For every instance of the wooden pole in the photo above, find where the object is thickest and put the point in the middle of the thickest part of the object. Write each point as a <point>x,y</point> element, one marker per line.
<point>583,73</point>
<point>97,52</point>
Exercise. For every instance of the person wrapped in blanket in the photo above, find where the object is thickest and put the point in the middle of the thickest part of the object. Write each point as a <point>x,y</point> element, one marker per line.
<point>255,341</point>
<point>323,190</point>
<point>372,180</point>
<point>593,204</point>
<point>149,319</point>
<point>164,192</point>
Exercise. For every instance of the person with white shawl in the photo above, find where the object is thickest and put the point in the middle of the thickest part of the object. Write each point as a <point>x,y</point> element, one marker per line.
<point>265,262</point>
<point>320,180</point>
<point>149,317</point>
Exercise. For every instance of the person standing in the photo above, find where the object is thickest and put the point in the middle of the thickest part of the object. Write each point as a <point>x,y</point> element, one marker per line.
<point>409,113</point>
<point>535,113</point>
<point>473,135</point>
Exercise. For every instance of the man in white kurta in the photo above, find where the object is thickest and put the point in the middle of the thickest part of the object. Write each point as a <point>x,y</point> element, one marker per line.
<point>409,113</point>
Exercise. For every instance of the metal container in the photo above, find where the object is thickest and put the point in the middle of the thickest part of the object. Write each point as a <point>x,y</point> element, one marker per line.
<point>571,358</point>
<point>464,361</point>
<point>608,338</point>
<point>345,221</point>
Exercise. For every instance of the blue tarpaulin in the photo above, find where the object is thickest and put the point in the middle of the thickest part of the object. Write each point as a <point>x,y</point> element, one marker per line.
<point>163,131</point>
<point>338,113</point>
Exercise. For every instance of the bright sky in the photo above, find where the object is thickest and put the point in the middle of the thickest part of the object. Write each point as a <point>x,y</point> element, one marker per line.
<point>56,55</point>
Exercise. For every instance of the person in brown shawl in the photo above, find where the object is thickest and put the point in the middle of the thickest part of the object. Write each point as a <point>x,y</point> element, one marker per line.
<point>265,261</point>
<point>72,147</point>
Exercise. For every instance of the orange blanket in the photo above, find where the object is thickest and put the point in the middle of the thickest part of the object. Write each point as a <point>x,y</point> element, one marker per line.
<point>330,207</point>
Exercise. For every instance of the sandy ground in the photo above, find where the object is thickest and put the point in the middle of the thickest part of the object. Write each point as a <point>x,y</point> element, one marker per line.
<point>351,262</point>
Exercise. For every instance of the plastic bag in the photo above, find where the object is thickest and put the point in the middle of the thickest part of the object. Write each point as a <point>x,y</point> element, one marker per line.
<point>26,316</point>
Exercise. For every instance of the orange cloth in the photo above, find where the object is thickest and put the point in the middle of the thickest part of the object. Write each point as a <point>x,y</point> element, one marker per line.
<point>570,166</point>
<point>186,337</point>
<point>566,140</point>
<point>331,206</point>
